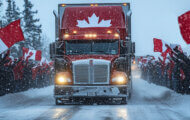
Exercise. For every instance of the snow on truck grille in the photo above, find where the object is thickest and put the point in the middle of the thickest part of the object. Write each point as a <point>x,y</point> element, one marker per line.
<point>91,71</point>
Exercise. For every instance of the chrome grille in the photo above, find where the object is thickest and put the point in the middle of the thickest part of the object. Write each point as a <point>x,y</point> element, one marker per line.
<point>100,73</point>
<point>81,74</point>
<point>91,71</point>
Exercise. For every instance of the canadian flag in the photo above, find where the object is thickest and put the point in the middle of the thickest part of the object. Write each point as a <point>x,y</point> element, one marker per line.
<point>10,35</point>
<point>163,47</point>
<point>159,45</point>
<point>32,54</point>
<point>166,52</point>
<point>184,24</point>
<point>35,71</point>
<point>18,70</point>
<point>173,46</point>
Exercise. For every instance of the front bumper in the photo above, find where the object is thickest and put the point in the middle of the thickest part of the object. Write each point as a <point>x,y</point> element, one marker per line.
<point>116,91</point>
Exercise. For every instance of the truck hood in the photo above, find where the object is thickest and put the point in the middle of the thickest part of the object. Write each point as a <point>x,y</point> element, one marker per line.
<point>81,57</point>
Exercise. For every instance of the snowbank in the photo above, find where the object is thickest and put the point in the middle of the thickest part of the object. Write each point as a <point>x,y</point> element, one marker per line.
<point>31,97</point>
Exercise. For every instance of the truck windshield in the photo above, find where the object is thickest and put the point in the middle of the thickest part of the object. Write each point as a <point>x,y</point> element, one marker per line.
<point>77,47</point>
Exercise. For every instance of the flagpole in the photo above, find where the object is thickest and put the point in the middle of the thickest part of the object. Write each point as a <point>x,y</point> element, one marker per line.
<point>1,25</point>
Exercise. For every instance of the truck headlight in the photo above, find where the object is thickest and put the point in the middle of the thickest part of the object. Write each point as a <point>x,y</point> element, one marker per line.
<point>63,78</point>
<point>119,78</point>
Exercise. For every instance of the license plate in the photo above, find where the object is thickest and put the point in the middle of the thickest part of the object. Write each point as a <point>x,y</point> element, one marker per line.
<point>91,94</point>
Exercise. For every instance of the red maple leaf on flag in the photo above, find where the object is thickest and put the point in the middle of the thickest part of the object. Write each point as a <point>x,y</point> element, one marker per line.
<point>184,24</point>
<point>10,35</point>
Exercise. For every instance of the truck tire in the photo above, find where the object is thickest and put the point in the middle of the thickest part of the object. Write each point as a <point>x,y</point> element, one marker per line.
<point>57,102</point>
<point>124,102</point>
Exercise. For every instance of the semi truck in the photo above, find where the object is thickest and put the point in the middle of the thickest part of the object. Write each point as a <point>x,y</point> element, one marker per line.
<point>92,53</point>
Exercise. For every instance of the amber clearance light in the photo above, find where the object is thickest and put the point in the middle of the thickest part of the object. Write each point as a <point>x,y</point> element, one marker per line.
<point>63,5</point>
<point>116,35</point>
<point>66,36</point>
<point>74,32</point>
<point>109,32</point>
<point>90,35</point>
<point>124,4</point>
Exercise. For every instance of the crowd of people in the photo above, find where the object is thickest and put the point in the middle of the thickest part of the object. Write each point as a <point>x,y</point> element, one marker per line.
<point>174,73</point>
<point>18,75</point>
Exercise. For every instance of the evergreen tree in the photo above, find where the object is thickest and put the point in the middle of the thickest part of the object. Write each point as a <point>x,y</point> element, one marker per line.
<point>12,14</point>
<point>1,22</point>
<point>1,4</point>
<point>9,11</point>
<point>32,29</point>
<point>16,11</point>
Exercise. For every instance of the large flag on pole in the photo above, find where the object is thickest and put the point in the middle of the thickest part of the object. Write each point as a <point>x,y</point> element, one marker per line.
<point>184,24</point>
<point>32,54</point>
<point>157,45</point>
<point>10,35</point>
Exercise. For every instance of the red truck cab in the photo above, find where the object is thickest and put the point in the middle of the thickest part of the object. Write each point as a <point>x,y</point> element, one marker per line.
<point>92,53</point>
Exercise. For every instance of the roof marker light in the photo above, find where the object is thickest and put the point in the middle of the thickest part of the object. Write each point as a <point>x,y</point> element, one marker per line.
<point>116,35</point>
<point>66,36</point>
<point>86,35</point>
<point>124,4</point>
<point>94,35</point>
<point>90,35</point>
<point>63,5</point>
<point>74,32</point>
<point>109,32</point>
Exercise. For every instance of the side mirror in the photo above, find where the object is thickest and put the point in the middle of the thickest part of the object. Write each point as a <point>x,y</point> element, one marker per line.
<point>124,49</point>
<point>59,48</point>
<point>56,49</point>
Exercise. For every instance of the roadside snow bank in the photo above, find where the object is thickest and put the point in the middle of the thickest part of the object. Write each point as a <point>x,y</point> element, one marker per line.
<point>147,93</point>
<point>30,97</point>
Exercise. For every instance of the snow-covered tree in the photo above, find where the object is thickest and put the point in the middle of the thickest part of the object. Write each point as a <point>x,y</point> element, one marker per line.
<point>12,11</point>
<point>45,46</point>
<point>16,11</point>
<point>1,4</point>
<point>32,28</point>
<point>9,11</point>
<point>12,14</point>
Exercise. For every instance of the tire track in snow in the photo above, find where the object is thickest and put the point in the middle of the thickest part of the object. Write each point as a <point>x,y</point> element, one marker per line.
<point>171,115</point>
<point>59,113</point>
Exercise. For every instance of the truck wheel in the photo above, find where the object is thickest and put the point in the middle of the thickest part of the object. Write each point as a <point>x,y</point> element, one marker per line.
<point>124,101</point>
<point>57,101</point>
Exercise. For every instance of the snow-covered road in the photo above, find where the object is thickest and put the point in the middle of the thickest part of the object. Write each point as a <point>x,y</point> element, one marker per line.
<point>149,102</point>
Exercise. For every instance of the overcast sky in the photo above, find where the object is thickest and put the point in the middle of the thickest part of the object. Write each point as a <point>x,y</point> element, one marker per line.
<point>150,18</point>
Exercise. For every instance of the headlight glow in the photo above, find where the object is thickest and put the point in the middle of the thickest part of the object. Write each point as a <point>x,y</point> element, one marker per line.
<point>119,78</point>
<point>63,78</point>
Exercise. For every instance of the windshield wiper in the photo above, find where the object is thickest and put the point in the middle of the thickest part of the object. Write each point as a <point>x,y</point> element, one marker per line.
<point>104,52</point>
<point>75,52</point>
